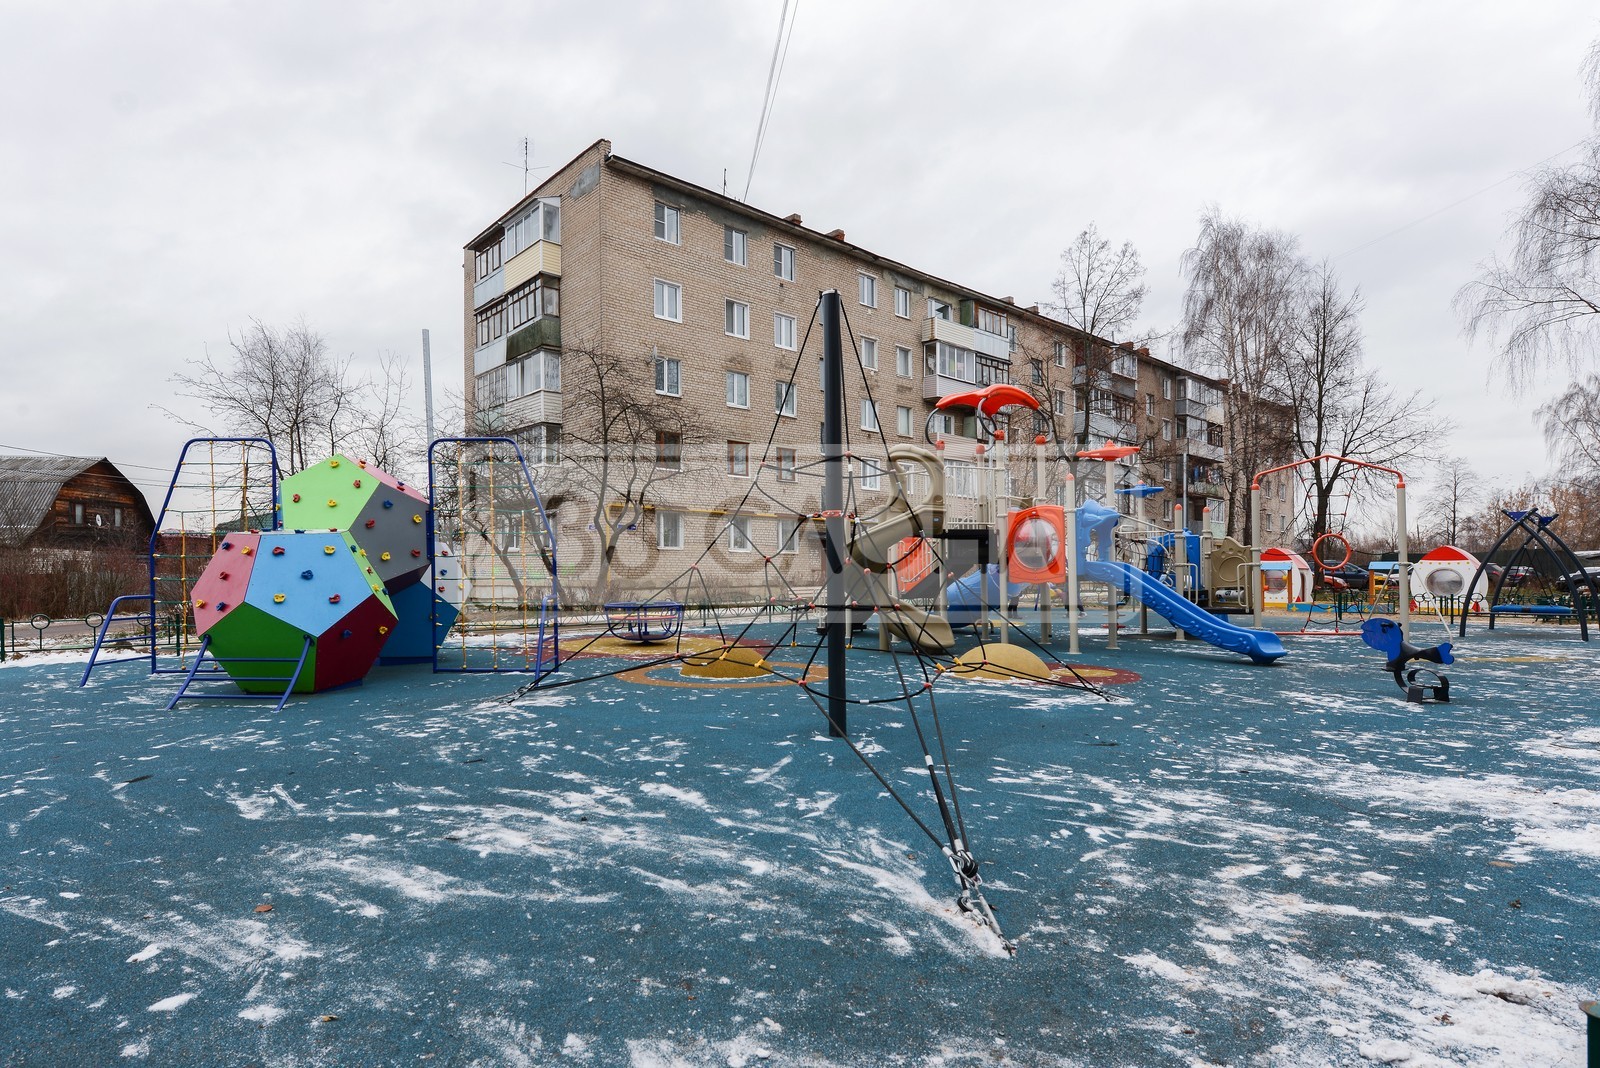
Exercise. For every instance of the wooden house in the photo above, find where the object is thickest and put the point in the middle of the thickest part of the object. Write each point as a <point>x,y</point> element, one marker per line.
<point>70,502</point>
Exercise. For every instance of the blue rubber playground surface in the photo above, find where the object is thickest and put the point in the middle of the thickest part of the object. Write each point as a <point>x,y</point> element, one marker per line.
<point>1224,864</point>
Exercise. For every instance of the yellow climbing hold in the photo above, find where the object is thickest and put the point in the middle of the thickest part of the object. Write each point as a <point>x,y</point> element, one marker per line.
<point>277,598</point>
<point>416,519</point>
<point>328,549</point>
<point>333,463</point>
<point>332,503</point>
<point>385,556</point>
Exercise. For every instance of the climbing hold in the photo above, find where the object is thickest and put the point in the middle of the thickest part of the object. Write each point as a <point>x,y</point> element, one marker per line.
<point>332,503</point>
<point>388,504</point>
<point>334,599</point>
<point>401,485</point>
<point>344,634</point>
<point>357,483</point>
<point>277,598</point>
<point>306,573</point>
<point>416,519</point>
<point>385,556</point>
<point>221,605</point>
<point>227,545</point>
<point>199,604</point>
<point>224,576</point>
<point>333,463</point>
<point>383,630</point>
<point>297,498</point>
<point>371,523</point>
<point>328,549</point>
<point>444,552</point>
<point>277,550</point>
<point>416,552</point>
<point>245,551</point>
<point>361,464</point>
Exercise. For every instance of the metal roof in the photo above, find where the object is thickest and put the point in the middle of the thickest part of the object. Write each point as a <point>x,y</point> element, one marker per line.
<point>29,485</point>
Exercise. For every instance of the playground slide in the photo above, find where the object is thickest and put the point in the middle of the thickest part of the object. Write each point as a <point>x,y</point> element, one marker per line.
<point>965,598</point>
<point>922,629</point>
<point>1262,646</point>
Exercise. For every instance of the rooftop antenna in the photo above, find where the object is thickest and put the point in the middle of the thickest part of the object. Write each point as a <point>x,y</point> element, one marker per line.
<point>527,150</point>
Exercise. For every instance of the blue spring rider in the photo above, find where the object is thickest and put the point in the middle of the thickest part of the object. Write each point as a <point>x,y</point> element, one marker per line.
<point>644,622</point>
<point>1420,683</point>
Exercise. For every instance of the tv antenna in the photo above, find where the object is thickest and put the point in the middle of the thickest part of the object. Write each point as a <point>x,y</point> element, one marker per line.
<point>527,150</point>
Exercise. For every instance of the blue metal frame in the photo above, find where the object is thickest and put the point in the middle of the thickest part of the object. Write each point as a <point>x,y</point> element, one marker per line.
<point>217,669</point>
<point>547,657</point>
<point>149,617</point>
<point>150,557</point>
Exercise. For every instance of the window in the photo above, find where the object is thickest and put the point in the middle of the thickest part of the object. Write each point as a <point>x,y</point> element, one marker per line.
<point>902,420</point>
<point>734,245</point>
<point>669,450</point>
<point>669,530</point>
<point>539,443</point>
<point>739,534</point>
<point>867,290</point>
<point>491,324</point>
<point>951,361</point>
<point>1061,406</point>
<point>1283,489</point>
<point>738,389</point>
<point>1059,353</point>
<point>1166,430</point>
<point>739,458</point>
<point>1149,405</point>
<point>669,301</point>
<point>902,361</point>
<point>541,222</point>
<point>902,302</point>
<point>669,376</point>
<point>533,300</point>
<point>783,262</point>
<point>77,513</point>
<point>938,309</point>
<point>1166,388</point>
<point>788,535</point>
<point>1036,372</point>
<point>736,319</point>
<point>116,517</point>
<point>785,465</point>
<point>869,415</point>
<point>960,478</point>
<point>783,331</point>
<point>871,475</point>
<point>1166,471</point>
<point>991,322</point>
<point>785,402</point>
<point>488,260</point>
<point>666,223</point>
<point>869,353</point>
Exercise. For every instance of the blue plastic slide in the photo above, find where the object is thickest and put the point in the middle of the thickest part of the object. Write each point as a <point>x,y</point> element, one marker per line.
<point>964,598</point>
<point>1262,646</point>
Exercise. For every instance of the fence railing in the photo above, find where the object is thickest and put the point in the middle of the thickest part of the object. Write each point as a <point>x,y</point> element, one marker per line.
<point>42,633</point>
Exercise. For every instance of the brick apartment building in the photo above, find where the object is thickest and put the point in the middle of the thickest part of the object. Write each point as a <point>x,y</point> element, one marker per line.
<point>700,305</point>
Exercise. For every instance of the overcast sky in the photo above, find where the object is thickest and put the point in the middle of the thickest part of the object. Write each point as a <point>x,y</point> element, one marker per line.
<point>172,170</point>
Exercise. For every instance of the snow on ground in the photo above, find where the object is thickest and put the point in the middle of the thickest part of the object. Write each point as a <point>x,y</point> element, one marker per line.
<point>1224,864</point>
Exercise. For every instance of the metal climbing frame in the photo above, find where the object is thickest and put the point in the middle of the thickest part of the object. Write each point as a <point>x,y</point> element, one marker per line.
<point>208,496</point>
<point>486,515</point>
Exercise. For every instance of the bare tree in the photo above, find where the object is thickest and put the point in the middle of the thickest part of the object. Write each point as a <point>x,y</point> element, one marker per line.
<point>282,384</point>
<point>1541,305</point>
<point>1571,423</point>
<point>1100,290</point>
<point>1340,407</point>
<point>1458,490</point>
<point>1242,296</point>
<point>622,442</point>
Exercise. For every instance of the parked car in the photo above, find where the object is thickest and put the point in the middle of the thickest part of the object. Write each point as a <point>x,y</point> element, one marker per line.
<point>1347,577</point>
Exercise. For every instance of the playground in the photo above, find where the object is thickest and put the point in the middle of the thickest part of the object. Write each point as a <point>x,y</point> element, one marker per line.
<point>1223,863</point>
<point>1047,781</point>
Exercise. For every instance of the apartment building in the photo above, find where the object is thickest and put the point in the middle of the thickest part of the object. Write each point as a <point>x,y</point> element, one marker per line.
<point>614,278</point>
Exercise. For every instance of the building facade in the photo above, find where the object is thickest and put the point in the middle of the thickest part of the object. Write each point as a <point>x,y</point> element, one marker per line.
<point>614,280</point>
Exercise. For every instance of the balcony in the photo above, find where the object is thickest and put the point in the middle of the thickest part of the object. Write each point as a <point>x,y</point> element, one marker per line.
<point>489,356</point>
<point>541,407</point>
<point>965,337</point>
<point>1103,428</point>
<point>489,288</point>
<point>1200,449</point>
<point>542,333</point>
<point>541,257</point>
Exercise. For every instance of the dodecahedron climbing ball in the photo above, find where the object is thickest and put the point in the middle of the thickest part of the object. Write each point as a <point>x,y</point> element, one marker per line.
<point>300,585</point>
<point>386,517</point>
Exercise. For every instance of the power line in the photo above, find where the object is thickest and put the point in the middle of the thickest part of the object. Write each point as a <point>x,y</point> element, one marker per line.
<point>780,54</point>
<point>1457,203</point>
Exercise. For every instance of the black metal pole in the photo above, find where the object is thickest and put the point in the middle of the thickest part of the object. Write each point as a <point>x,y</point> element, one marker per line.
<point>836,559</point>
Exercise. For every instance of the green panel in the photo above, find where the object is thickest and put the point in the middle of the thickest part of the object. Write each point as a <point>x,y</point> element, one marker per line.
<point>334,479</point>
<point>540,334</point>
<point>247,631</point>
<point>969,313</point>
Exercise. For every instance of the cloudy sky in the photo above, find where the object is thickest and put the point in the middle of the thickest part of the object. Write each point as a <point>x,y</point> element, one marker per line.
<point>171,170</point>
